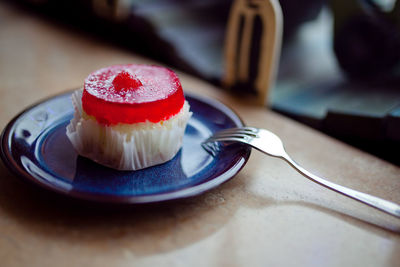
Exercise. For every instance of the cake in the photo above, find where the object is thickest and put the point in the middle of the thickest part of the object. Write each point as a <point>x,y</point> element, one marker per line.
<point>129,117</point>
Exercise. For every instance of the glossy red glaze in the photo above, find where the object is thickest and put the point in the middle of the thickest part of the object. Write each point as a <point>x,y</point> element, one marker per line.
<point>125,81</point>
<point>144,93</point>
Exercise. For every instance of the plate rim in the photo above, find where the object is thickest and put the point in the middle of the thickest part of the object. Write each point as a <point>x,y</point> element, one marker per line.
<point>185,192</point>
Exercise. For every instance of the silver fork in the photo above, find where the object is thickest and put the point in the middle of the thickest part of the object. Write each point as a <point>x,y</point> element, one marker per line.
<point>270,144</point>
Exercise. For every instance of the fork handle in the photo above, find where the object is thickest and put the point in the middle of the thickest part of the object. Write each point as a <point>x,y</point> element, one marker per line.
<point>375,202</point>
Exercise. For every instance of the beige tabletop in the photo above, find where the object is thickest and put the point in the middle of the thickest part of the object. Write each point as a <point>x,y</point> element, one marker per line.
<point>268,215</point>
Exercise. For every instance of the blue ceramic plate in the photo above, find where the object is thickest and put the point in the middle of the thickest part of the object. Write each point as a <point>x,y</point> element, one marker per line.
<point>35,147</point>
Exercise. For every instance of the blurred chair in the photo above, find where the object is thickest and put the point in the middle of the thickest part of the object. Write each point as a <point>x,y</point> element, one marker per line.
<point>252,46</point>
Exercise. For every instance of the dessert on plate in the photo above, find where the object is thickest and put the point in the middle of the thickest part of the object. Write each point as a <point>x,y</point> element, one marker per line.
<point>129,117</point>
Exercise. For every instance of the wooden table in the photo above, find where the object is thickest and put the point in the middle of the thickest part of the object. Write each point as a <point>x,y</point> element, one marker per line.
<point>268,215</point>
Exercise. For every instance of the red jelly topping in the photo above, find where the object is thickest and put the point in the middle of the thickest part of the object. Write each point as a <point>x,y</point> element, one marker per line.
<point>132,93</point>
<point>125,80</point>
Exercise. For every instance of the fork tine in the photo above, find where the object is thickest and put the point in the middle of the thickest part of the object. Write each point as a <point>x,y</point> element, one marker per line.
<point>224,139</point>
<point>240,129</point>
<point>237,135</point>
<point>236,131</point>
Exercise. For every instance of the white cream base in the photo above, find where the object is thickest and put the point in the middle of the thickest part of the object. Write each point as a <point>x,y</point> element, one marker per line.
<point>126,146</point>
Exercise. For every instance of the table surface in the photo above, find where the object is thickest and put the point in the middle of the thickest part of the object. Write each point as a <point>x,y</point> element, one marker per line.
<point>267,215</point>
